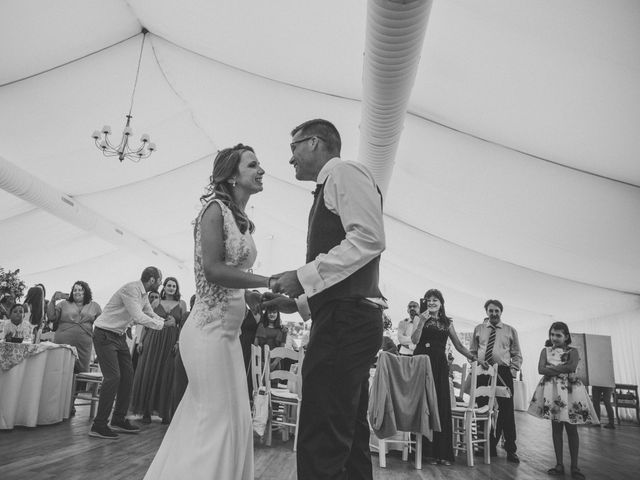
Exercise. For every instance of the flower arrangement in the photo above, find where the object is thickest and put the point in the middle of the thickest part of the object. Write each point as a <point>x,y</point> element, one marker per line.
<point>10,284</point>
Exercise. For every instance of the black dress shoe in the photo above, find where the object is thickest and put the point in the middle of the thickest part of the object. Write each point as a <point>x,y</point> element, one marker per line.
<point>513,458</point>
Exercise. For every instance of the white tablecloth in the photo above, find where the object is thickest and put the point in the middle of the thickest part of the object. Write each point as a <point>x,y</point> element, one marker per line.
<point>520,397</point>
<point>37,391</point>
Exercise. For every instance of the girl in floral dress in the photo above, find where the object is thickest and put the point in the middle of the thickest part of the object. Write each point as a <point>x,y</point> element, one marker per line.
<point>561,397</point>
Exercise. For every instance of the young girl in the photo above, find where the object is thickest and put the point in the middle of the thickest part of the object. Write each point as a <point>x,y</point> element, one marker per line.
<point>561,397</point>
<point>15,329</point>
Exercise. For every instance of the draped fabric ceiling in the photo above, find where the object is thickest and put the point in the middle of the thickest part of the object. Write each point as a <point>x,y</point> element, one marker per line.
<point>516,176</point>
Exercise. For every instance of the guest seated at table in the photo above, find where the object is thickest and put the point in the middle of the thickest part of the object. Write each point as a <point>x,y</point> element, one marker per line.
<point>72,321</point>
<point>15,329</point>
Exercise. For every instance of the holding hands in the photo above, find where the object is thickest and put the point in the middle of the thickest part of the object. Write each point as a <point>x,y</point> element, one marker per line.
<point>287,283</point>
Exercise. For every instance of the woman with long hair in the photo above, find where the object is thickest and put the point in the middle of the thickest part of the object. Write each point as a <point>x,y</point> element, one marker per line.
<point>72,320</point>
<point>34,310</point>
<point>210,435</point>
<point>430,337</point>
<point>153,380</point>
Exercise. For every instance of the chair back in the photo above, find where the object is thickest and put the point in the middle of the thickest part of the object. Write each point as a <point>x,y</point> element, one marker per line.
<point>459,377</point>
<point>256,368</point>
<point>488,389</point>
<point>293,377</point>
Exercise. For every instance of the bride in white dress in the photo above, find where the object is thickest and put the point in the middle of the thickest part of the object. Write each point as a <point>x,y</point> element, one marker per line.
<point>210,436</point>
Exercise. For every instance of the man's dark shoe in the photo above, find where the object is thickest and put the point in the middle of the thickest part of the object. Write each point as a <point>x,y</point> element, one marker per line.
<point>102,432</point>
<point>513,458</point>
<point>124,426</point>
<point>609,425</point>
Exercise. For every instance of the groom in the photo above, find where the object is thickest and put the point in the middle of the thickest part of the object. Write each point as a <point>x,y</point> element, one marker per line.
<point>338,288</point>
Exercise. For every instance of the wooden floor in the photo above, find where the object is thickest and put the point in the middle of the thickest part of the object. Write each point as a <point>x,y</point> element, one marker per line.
<point>65,451</point>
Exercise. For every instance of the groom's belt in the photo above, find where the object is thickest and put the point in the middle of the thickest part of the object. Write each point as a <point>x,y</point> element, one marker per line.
<point>377,303</point>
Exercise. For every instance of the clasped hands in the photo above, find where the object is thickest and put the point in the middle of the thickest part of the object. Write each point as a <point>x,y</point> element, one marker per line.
<point>285,287</point>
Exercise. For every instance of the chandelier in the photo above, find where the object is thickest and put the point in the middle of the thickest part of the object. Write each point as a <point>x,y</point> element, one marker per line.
<point>123,149</point>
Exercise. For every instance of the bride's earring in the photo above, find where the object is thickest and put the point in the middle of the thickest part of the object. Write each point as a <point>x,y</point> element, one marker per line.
<point>233,183</point>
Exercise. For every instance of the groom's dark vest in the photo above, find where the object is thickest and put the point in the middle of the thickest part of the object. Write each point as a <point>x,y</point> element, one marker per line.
<point>325,232</point>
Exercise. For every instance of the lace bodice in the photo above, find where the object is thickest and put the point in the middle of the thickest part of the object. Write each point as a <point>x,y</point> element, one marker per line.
<point>240,252</point>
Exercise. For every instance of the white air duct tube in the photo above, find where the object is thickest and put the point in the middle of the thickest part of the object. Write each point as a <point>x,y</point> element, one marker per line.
<point>394,38</point>
<point>22,184</point>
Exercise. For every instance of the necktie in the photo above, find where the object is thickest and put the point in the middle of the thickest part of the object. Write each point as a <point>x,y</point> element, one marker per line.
<point>488,356</point>
<point>317,190</point>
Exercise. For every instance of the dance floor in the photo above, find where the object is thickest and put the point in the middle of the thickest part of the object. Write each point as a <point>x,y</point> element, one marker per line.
<point>65,451</point>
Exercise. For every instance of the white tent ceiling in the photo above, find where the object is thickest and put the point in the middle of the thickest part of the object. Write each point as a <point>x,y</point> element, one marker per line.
<point>517,174</point>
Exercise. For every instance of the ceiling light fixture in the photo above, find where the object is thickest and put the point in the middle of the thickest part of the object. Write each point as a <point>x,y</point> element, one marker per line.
<point>123,149</point>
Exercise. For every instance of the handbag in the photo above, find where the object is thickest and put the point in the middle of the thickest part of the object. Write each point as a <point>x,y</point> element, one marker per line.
<point>261,406</point>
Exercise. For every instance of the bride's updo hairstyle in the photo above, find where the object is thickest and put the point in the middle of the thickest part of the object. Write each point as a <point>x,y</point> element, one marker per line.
<point>225,167</point>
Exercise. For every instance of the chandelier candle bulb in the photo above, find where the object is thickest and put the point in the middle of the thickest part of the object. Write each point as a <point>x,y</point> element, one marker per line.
<point>152,146</point>
<point>95,135</point>
<point>144,138</point>
<point>106,130</point>
<point>127,131</point>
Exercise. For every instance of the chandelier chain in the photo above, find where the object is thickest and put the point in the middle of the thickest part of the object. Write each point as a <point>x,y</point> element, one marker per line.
<point>135,83</point>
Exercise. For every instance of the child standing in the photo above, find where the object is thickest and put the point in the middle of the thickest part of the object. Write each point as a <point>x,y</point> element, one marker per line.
<point>561,397</point>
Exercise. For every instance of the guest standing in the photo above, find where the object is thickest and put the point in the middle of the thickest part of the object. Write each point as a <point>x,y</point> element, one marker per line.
<point>496,343</point>
<point>406,328</point>
<point>561,397</point>
<point>603,394</point>
<point>128,305</point>
<point>153,380</point>
<point>35,311</point>
<point>73,319</point>
<point>269,331</point>
<point>430,337</point>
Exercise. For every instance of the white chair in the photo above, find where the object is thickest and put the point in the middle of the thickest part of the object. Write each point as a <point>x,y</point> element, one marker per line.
<point>256,367</point>
<point>86,386</point>
<point>401,438</point>
<point>285,399</point>
<point>459,377</point>
<point>470,418</point>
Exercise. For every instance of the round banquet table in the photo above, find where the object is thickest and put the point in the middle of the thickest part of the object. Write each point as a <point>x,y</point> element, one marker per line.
<point>35,383</point>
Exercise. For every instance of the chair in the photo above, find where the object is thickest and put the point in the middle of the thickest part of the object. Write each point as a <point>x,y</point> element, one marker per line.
<point>285,399</point>
<point>626,396</point>
<point>467,418</point>
<point>256,367</point>
<point>409,375</point>
<point>459,377</point>
<point>86,386</point>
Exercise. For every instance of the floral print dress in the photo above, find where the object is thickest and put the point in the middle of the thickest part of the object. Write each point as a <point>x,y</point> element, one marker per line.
<point>561,398</point>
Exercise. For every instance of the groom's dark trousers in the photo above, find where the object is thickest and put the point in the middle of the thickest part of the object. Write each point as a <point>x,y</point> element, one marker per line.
<point>333,437</point>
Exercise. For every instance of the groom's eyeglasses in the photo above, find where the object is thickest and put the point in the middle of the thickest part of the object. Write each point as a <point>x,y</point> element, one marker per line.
<point>293,144</point>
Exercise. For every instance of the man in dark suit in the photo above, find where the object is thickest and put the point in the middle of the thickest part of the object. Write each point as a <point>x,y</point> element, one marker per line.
<point>338,288</point>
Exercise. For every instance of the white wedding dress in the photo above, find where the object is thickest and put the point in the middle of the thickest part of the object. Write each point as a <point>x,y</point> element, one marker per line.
<point>210,436</point>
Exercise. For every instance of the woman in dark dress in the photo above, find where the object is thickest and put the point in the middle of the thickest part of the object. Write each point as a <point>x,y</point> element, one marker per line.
<point>153,380</point>
<point>430,336</point>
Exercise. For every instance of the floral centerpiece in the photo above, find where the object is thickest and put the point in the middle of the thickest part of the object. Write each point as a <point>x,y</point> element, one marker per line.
<point>10,284</point>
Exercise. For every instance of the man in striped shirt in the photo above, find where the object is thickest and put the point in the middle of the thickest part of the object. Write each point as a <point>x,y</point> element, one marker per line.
<point>496,343</point>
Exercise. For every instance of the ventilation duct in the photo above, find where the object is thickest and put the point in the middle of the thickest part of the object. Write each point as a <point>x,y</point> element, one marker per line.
<point>22,184</point>
<point>394,38</point>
